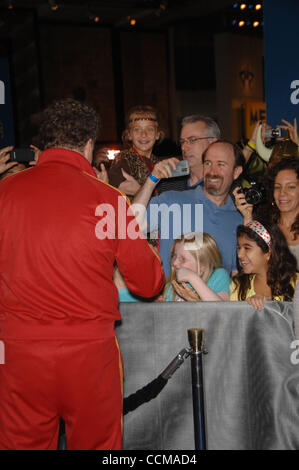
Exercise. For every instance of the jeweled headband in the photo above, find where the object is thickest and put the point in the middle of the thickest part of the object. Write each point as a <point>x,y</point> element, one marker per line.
<point>258,228</point>
<point>143,119</point>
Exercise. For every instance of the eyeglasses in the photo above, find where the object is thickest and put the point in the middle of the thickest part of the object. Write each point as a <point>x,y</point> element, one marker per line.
<point>192,140</point>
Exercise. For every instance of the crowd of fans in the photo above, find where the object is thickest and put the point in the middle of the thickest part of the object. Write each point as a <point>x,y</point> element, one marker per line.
<point>60,276</point>
<point>264,253</point>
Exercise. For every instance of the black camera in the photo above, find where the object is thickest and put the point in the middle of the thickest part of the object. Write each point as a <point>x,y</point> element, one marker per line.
<point>21,155</point>
<point>255,194</point>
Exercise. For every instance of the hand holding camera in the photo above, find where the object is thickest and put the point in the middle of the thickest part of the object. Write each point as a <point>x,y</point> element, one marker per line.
<point>242,205</point>
<point>5,162</point>
<point>165,168</point>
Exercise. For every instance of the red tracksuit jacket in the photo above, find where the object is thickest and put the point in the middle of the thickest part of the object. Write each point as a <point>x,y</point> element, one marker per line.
<point>58,303</point>
<point>54,270</point>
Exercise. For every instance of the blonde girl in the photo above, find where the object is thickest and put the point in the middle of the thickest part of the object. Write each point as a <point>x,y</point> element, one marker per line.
<point>196,272</point>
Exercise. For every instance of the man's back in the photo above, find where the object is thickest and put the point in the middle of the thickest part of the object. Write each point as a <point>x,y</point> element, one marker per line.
<point>53,266</point>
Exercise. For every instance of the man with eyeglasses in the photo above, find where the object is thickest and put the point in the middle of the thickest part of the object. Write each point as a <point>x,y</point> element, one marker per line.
<point>174,213</point>
<point>197,133</point>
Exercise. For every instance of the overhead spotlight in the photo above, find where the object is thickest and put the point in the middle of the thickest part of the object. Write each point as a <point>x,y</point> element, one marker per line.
<point>241,23</point>
<point>255,24</point>
<point>258,6</point>
<point>53,5</point>
<point>10,5</point>
<point>235,5</point>
<point>243,6</point>
<point>132,21</point>
<point>234,22</point>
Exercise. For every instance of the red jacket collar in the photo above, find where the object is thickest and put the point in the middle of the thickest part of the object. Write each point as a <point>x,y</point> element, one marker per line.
<point>68,157</point>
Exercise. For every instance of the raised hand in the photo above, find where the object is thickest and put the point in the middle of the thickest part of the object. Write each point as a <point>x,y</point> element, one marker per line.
<point>130,186</point>
<point>293,130</point>
<point>4,157</point>
<point>243,207</point>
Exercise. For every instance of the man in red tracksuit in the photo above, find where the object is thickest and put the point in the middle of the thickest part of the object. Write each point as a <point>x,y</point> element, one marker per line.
<point>61,230</point>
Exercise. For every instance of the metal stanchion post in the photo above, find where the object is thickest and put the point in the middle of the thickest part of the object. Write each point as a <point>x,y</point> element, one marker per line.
<point>196,340</point>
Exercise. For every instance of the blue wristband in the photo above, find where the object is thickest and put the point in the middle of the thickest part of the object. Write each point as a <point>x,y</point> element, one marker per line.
<point>153,178</point>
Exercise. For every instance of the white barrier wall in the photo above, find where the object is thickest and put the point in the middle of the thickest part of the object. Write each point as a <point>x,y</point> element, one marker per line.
<point>251,375</point>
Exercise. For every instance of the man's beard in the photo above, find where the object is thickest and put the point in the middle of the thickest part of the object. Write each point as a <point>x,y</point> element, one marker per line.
<point>212,188</point>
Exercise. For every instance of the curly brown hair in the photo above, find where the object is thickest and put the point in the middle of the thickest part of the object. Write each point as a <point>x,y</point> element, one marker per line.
<point>68,124</point>
<point>283,164</point>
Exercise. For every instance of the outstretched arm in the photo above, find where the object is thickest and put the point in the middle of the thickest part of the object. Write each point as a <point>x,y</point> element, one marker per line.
<point>161,170</point>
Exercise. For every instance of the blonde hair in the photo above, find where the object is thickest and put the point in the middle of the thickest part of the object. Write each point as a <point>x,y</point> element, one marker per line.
<point>203,247</point>
<point>138,111</point>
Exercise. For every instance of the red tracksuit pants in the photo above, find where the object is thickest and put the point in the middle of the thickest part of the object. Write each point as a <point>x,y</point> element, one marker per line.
<point>78,380</point>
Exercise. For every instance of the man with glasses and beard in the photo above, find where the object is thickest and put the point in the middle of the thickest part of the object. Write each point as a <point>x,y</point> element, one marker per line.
<point>222,163</point>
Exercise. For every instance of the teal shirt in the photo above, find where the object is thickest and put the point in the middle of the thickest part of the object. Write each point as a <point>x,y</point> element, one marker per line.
<point>124,295</point>
<point>219,281</point>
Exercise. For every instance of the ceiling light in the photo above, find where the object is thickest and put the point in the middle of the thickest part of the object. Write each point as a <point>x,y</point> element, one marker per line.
<point>132,21</point>
<point>258,6</point>
<point>241,23</point>
<point>243,6</point>
<point>255,24</point>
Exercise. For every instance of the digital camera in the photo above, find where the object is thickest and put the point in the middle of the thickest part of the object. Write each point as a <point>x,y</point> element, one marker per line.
<point>255,194</point>
<point>273,133</point>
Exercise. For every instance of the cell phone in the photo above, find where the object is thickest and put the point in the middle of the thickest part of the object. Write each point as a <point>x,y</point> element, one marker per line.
<point>181,169</point>
<point>273,133</point>
<point>21,155</point>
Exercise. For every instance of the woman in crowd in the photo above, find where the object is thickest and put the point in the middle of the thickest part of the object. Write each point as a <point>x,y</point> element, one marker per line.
<point>131,167</point>
<point>196,272</point>
<point>267,268</point>
<point>282,207</point>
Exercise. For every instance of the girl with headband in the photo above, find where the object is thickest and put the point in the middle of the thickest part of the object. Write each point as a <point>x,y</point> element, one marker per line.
<point>267,269</point>
<point>131,167</point>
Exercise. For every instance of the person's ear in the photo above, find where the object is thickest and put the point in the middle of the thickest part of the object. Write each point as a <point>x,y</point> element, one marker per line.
<point>128,135</point>
<point>88,150</point>
<point>237,171</point>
